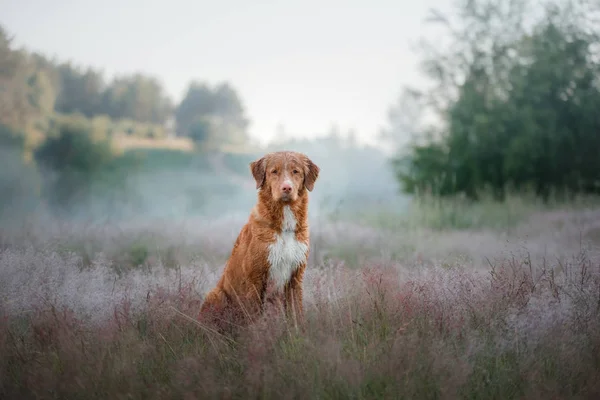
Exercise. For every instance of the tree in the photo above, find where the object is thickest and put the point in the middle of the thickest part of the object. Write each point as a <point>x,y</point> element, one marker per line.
<point>199,130</point>
<point>79,91</point>
<point>220,108</point>
<point>516,105</point>
<point>404,120</point>
<point>137,97</point>
<point>22,87</point>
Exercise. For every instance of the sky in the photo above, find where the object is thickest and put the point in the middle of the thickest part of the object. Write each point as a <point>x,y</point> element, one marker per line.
<point>302,65</point>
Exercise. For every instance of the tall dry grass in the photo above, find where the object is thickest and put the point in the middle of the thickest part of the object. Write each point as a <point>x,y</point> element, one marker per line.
<point>107,312</point>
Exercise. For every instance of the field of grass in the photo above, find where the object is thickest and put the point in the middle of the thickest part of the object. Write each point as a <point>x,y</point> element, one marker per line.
<point>394,310</point>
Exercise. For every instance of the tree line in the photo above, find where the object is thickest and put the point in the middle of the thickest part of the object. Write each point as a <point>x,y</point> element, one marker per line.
<point>58,121</point>
<point>516,100</point>
<point>34,87</point>
<point>514,89</point>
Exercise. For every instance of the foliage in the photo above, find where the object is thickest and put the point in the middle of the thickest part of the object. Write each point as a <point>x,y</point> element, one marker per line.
<point>518,106</point>
<point>80,91</point>
<point>137,97</point>
<point>214,114</point>
<point>34,87</point>
<point>199,130</point>
<point>71,158</point>
<point>19,182</point>
<point>71,146</point>
<point>68,116</point>
<point>25,93</point>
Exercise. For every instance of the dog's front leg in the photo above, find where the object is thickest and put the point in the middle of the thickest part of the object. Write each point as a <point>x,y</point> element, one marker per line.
<point>293,296</point>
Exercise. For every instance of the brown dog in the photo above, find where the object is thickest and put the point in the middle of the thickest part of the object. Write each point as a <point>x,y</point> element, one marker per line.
<point>271,251</point>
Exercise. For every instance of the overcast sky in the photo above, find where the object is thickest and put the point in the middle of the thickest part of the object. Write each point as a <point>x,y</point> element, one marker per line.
<point>304,64</point>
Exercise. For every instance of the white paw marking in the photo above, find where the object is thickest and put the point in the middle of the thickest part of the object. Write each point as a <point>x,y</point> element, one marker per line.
<point>287,253</point>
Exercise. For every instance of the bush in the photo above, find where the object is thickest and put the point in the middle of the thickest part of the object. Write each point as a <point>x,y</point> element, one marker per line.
<point>19,182</point>
<point>10,138</point>
<point>71,157</point>
<point>199,131</point>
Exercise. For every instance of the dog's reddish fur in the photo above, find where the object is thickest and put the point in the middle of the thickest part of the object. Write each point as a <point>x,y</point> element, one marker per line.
<point>242,289</point>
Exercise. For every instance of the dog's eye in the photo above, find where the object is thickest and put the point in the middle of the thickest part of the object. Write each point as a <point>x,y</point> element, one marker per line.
<point>295,171</point>
<point>274,171</point>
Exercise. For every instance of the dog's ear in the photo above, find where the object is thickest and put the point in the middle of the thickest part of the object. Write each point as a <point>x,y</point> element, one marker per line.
<point>311,173</point>
<point>258,171</point>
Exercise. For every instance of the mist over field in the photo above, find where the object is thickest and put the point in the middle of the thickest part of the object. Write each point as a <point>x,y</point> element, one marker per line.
<point>453,257</point>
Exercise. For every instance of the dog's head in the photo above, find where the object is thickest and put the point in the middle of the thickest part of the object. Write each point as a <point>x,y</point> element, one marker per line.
<point>285,175</point>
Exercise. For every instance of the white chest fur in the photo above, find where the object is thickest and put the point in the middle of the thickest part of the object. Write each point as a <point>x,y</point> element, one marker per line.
<point>287,253</point>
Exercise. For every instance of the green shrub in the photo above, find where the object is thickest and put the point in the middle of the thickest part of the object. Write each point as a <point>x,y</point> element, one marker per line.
<point>199,131</point>
<point>72,156</point>
<point>19,183</point>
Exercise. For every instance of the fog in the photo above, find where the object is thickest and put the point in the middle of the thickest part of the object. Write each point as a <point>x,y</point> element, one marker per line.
<point>206,186</point>
<point>454,224</point>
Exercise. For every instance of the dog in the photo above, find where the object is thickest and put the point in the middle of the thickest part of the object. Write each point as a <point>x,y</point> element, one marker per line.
<point>270,253</point>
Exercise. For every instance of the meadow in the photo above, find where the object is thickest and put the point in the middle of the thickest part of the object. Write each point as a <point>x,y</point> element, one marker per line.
<point>444,300</point>
<point>119,206</point>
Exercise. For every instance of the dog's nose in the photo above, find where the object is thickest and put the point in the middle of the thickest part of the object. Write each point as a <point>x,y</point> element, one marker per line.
<point>286,188</point>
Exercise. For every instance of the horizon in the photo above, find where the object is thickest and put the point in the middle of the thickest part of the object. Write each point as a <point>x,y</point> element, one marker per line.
<point>310,77</point>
